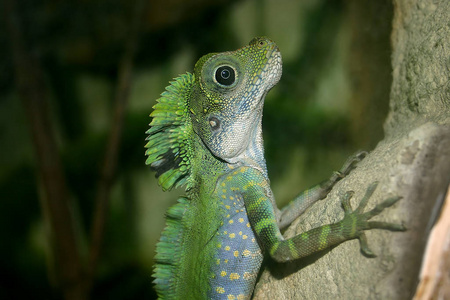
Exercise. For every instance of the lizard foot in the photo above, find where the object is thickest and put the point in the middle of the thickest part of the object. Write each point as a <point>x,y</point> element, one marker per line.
<point>348,166</point>
<point>358,221</point>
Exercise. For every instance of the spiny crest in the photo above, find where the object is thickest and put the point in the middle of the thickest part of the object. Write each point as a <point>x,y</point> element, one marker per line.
<point>169,145</point>
<point>168,251</point>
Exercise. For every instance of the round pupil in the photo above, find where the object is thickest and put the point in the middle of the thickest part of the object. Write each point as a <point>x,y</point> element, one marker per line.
<point>225,75</point>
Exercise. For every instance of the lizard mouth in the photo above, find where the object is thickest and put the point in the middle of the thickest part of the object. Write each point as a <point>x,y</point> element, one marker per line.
<point>274,67</point>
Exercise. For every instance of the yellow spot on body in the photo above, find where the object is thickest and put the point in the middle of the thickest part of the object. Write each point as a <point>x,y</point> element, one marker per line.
<point>227,206</point>
<point>248,225</point>
<point>227,248</point>
<point>219,245</point>
<point>225,261</point>
<point>231,297</point>
<point>220,290</point>
<point>244,237</point>
<point>232,235</point>
<point>224,190</point>
<point>236,253</point>
<point>237,210</point>
<point>231,221</point>
<point>240,297</point>
<point>240,232</point>
<point>223,273</point>
<point>231,198</point>
<point>246,252</point>
<point>241,220</point>
<point>234,276</point>
<point>229,178</point>
<point>223,184</point>
<point>225,232</point>
<point>224,197</point>
<point>227,217</point>
<point>218,261</point>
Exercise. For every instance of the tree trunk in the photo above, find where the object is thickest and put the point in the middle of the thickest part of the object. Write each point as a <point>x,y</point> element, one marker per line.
<point>413,161</point>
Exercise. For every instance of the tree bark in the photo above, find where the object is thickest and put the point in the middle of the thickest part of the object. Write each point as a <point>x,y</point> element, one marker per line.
<point>412,161</point>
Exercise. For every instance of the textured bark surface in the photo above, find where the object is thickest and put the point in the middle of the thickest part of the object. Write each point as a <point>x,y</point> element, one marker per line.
<point>413,161</point>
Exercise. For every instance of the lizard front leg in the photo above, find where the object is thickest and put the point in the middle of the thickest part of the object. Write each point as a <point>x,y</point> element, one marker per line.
<point>262,219</point>
<point>305,199</point>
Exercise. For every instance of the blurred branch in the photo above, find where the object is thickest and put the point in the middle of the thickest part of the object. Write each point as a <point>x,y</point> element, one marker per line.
<point>55,201</point>
<point>110,158</point>
<point>434,276</point>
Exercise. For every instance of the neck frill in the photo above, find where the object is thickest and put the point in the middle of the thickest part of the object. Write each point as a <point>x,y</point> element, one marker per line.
<point>169,145</point>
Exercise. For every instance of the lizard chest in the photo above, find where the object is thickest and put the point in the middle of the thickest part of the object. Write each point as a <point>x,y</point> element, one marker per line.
<point>237,255</point>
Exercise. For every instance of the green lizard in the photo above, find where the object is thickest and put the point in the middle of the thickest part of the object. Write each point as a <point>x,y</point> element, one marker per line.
<point>206,135</point>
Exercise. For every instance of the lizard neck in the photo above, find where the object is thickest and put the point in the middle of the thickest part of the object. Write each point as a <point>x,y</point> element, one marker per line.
<point>253,155</point>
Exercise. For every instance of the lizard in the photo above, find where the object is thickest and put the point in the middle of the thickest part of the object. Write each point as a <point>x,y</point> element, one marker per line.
<point>206,135</point>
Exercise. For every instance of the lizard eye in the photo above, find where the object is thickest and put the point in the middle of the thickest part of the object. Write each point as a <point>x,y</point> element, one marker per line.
<point>225,75</point>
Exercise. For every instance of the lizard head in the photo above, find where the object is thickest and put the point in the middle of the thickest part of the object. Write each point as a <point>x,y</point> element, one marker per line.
<point>222,103</point>
<point>227,101</point>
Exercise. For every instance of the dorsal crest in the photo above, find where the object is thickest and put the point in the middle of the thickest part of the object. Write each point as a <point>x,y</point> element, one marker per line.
<point>169,145</point>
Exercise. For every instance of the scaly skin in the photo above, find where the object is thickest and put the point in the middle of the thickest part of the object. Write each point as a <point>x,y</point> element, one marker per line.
<point>206,134</point>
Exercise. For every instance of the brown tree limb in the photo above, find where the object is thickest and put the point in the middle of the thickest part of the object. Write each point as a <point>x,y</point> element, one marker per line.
<point>111,153</point>
<point>434,276</point>
<point>55,201</point>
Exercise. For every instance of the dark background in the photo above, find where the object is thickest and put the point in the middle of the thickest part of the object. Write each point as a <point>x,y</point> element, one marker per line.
<point>92,71</point>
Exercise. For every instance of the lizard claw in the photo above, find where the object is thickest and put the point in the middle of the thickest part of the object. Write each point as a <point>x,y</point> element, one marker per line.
<point>365,247</point>
<point>345,201</point>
